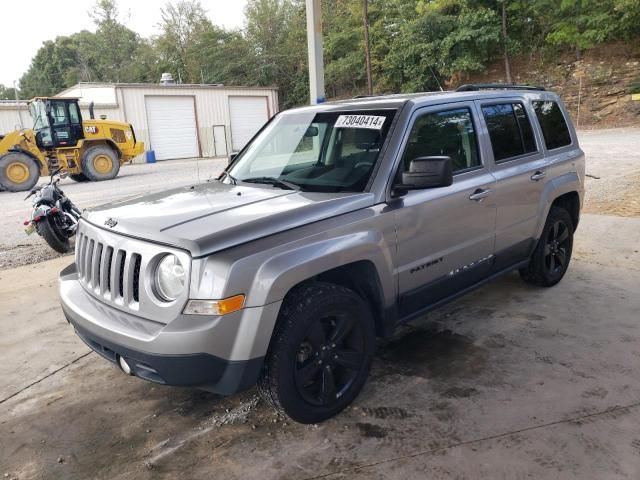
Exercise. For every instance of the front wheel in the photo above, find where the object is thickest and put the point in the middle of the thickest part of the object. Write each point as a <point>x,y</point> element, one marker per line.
<point>49,229</point>
<point>550,259</point>
<point>18,172</point>
<point>321,353</point>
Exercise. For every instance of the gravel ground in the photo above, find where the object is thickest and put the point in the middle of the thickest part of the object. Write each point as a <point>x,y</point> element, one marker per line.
<point>613,156</point>
<point>17,249</point>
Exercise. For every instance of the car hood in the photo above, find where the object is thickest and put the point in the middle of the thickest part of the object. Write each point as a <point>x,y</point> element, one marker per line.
<point>213,216</point>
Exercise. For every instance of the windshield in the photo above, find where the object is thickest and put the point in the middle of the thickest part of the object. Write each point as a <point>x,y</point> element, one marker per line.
<point>327,151</point>
<point>38,114</point>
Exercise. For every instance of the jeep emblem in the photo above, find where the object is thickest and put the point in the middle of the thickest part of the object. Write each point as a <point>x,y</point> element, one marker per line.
<point>110,222</point>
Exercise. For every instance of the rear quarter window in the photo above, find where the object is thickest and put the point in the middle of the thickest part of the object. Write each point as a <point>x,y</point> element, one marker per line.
<point>554,126</point>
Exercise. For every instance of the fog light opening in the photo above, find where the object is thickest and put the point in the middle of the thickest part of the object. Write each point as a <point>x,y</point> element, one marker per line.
<point>124,365</point>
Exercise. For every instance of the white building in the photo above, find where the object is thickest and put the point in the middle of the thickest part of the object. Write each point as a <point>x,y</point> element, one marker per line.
<point>176,121</point>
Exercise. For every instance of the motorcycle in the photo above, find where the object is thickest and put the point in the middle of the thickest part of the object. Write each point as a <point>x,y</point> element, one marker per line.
<point>54,216</point>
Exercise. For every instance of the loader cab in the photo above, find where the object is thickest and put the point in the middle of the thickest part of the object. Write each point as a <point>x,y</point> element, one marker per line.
<point>57,122</point>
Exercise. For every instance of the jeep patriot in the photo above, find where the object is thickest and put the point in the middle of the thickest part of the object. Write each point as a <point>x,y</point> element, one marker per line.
<point>335,224</point>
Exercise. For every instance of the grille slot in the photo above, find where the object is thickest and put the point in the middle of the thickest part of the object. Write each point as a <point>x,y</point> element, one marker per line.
<point>137,261</point>
<point>108,258</point>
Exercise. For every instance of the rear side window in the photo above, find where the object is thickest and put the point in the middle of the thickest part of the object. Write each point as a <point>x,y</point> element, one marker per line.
<point>509,130</point>
<point>554,127</point>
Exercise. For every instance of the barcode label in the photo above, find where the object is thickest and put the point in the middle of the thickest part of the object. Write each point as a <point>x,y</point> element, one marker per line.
<point>372,122</point>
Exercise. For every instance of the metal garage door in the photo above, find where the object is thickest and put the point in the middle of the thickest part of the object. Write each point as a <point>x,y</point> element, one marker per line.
<point>172,127</point>
<point>248,114</point>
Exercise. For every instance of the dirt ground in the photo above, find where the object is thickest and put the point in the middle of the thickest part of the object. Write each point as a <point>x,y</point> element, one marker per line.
<point>509,382</point>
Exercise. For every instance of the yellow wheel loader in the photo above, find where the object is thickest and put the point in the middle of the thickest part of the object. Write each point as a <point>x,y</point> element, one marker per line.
<point>90,150</point>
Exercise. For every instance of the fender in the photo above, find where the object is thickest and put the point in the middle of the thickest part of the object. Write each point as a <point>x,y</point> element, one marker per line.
<point>17,149</point>
<point>569,182</point>
<point>40,212</point>
<point>287,269</point>
<point>85,144</point>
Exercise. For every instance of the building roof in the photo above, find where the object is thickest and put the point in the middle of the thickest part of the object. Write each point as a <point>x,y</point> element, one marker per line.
<point>205,86</point>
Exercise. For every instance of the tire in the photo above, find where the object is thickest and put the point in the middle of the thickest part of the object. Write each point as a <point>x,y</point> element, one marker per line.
<point>78,177</point>
<point>320,354</point>
<point>100,163</point>
<point>550,259</point>
<point>48,230</point>
<point>18,172</point>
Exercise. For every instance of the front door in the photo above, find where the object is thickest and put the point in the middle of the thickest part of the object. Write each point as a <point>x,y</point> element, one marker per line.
<point>445,235</point>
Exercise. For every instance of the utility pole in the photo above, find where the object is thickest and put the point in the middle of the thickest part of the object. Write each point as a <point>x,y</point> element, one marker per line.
<point>316,62</point>
<point>505,46</point>
<point>367,50</point>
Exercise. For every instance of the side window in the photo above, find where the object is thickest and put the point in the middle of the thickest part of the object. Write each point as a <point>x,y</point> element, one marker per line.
<point>449,133</point>
<point>74,115</point>
<point>509,130</point>
<point>554,128</point>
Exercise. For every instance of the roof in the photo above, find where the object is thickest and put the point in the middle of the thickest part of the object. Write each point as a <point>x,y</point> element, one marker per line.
<point>398,100</point>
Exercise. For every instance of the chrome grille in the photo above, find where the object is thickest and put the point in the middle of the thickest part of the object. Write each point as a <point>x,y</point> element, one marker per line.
<point>111,273</point>
<point>118,271</point>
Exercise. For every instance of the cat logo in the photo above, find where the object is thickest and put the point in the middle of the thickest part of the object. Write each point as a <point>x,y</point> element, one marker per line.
<point>91,129</point>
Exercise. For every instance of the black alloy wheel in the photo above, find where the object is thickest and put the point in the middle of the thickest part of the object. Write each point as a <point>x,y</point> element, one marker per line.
<point>320,353</point>
<point>550,259</point>
<point>329,359</point>
<point>556,247</point>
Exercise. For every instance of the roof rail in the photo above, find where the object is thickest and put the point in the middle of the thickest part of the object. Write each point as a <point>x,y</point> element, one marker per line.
<point>474,87</point>
<point>363,96</point>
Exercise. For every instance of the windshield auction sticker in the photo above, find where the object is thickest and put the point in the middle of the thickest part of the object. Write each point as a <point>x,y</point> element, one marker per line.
<point>371,122</point>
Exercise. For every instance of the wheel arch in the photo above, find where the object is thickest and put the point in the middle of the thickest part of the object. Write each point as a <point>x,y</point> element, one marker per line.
<point>564,191</point>
<point>360,276</point>
<point>103,142</point>
<point>41,166</point>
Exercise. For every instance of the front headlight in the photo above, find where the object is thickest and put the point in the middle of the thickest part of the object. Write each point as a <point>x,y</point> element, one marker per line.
<point>169,278</point>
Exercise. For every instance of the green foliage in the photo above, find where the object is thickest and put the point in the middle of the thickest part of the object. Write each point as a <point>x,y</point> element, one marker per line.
<point>415,45</point>
<point>7,93</point>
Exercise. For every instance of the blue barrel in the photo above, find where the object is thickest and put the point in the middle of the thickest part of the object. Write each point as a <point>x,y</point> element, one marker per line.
<point>151,156</point>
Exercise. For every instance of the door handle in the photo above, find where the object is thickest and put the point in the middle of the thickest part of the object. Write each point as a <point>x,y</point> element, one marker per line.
<point>480,194</point>
<point>539,175</point>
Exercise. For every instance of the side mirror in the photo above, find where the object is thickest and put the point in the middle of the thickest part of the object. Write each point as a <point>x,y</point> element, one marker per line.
<point>427,172</point>
<point>232,157</point>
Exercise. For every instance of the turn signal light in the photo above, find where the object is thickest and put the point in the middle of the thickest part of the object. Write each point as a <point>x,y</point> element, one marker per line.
<point>214,307</point>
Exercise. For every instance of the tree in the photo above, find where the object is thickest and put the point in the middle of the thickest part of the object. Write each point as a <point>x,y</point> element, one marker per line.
<point>115,42</point>
<point>7,93</point>
<point>276,33</point>
<point>184,25</point>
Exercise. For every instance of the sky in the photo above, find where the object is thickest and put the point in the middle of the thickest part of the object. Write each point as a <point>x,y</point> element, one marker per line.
<point>38,20</point>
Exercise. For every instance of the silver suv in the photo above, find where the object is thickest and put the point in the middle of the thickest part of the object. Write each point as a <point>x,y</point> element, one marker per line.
<point>335,224</point>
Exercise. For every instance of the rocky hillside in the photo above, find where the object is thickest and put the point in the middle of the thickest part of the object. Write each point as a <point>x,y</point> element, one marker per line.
<point>597,88</point>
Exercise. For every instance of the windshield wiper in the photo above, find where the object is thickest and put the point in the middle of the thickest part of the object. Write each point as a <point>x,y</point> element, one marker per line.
<point>276,182</point>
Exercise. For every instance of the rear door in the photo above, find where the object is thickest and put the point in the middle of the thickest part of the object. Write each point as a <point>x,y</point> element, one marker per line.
<point>445,235</point>
<point>520,168</point>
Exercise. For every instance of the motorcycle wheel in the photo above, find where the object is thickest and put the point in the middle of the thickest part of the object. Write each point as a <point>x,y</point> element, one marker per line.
<point>49,230</point>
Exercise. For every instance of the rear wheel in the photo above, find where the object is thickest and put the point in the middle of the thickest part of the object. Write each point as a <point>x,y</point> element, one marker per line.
<point>551,257</point>
<point>320,355</point>
<point>51,232</point>
<point>18,172</point>
<point>100,163</point>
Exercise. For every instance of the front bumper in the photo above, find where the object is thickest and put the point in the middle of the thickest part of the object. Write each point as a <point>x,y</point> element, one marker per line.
<point>219,354</point>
